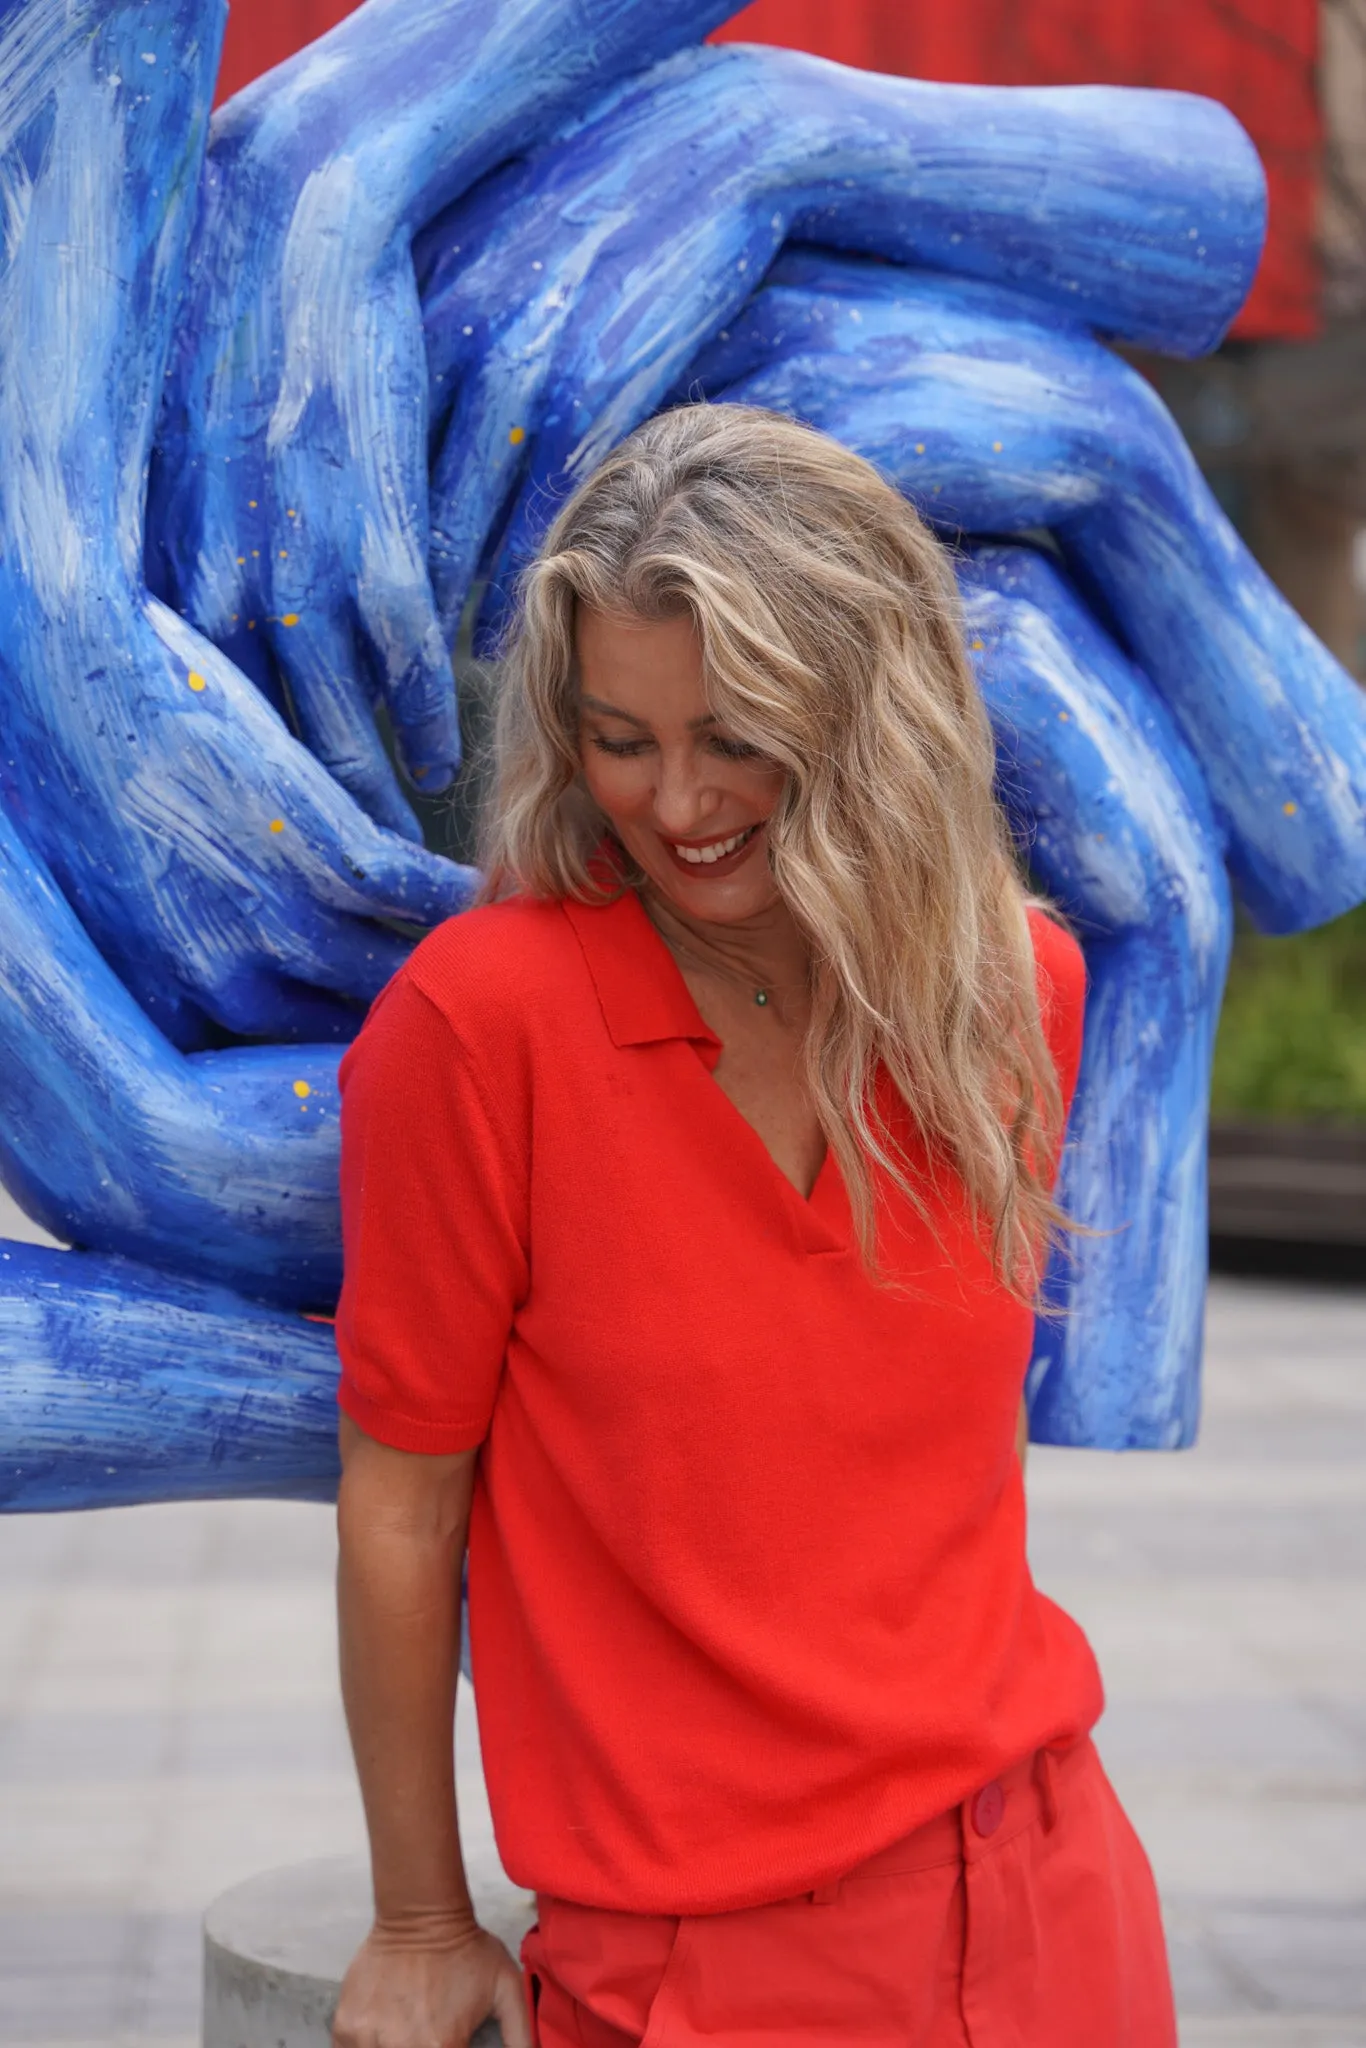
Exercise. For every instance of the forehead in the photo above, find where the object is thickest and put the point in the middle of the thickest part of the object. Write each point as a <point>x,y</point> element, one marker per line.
<point>651,668</point>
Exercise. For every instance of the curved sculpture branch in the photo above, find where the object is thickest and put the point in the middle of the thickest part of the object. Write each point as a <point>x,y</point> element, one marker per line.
<point>216,865</point>
<point>1120,832</point>
<point>994,420</point>
<point>563,299</point>
<point>291,481</point>
<point>222,1165</point>
<point>123,1385</point>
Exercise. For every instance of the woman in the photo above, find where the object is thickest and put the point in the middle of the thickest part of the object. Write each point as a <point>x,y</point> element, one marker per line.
<point>696,1190</point>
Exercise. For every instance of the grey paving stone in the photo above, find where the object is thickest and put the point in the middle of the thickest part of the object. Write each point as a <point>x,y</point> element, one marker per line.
<point>1327,1541</point>
<point>1273,2030</point>
<point>1281,1740</point>
<point>1307,1959</point>
<point>75,1746</point>
<point>86,1972</point>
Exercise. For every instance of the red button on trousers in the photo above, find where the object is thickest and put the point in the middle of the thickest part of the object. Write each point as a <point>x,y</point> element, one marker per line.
<point>1026,1919</point>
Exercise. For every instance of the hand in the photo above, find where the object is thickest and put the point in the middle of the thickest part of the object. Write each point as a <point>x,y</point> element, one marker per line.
<point>1117,823</point>
<point>562,299</point>
<point>215,864</point>
<point>993,419</point>
<point>399,1993</point>
<point>290,484</point>
<point>222,1165</point>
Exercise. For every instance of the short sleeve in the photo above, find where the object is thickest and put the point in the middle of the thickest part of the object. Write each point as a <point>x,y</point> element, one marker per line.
<point>1061,974</point>
<point>434,1201</point>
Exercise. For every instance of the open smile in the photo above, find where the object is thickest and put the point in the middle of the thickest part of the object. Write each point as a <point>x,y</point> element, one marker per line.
<point>713,857</point>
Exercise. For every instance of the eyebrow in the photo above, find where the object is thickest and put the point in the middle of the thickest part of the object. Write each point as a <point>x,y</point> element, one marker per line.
<point>629,718</point>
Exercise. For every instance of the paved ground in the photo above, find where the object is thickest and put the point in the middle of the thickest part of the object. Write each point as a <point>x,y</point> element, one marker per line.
<point>169,1722</point>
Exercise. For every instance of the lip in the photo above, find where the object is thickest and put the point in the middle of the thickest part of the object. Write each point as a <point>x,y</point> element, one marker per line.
<point>716,870</point>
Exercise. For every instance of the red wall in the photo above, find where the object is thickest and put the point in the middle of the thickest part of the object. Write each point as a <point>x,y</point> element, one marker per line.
<point>264,32</point>
<point>1257,56</point>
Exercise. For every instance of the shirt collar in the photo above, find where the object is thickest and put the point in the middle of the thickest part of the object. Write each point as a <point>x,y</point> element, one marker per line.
<point>644,998</point>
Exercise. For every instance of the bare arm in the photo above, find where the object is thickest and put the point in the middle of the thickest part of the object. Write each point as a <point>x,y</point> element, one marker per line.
<point>426,1973</point>
<point>1022,1433</point>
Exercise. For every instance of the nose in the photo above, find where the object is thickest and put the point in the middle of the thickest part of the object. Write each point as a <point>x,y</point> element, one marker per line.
<point>684,799</point>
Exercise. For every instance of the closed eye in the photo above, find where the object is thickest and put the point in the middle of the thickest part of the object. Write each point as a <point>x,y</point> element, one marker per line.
<point>734,750</point>
<point>621,749</point>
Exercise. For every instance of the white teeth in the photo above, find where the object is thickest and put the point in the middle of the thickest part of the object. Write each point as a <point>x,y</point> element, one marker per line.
<point>704,856</point>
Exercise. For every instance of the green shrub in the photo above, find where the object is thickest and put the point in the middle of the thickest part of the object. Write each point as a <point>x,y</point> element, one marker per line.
<point>1292,1036</point>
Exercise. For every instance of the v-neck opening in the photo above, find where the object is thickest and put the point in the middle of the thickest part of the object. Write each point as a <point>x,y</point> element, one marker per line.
<point>706,1042</point>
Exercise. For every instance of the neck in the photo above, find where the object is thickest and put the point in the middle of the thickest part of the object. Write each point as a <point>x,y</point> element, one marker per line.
<point>764,952</point>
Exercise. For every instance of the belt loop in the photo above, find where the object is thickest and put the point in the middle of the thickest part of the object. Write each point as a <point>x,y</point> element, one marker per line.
<point>1046,1786</point>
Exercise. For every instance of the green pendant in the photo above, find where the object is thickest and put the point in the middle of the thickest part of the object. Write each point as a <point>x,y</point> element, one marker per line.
<point>761,997</point>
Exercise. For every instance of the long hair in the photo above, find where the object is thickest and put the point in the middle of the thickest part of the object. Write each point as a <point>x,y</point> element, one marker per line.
<point>827,616</point>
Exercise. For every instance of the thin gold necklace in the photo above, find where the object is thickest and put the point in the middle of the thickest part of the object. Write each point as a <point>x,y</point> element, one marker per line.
<point>763,997</point>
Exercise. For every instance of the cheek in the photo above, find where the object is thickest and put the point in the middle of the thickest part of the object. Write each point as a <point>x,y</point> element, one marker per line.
<point>761,788</point>
<point>616,787</point>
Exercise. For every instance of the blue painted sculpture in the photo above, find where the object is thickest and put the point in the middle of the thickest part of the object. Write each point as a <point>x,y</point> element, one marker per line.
<point>290,485</point>
<point>425,275</point>
<point>563,299</point>
<point>215,864</point>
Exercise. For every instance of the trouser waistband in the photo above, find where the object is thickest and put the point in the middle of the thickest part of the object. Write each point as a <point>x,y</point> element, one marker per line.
<point>1025,1794</point>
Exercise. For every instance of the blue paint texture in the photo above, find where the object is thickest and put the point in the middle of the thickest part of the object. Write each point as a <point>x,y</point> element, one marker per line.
<point>995,420</point>
<point>563,298</point>
<point>277,393</point>
<point>219,1164</point>
<point>300,427</point>
<point>216,865</point>
<point>124,1385</point>
<point>1114,813</point>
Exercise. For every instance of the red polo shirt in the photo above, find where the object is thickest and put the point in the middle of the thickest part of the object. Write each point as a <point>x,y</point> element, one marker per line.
<point>748,1590</point>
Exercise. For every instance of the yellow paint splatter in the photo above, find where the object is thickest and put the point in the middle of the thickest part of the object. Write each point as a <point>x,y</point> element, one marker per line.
<point>1290,809</point>
<point>284,554</point>
<point>277,824</point>
<point>196,681</point>
<point>252,503</point>
<point>251,625</point>
<point>920,447</point>
<point>289,619</point>
<point>241,561</point>
<point>977,646</point>
<point>254,553</point>
<point>1066,717</point>
<point>996,447</point>
<point>291,515</point>
<point>517,436</point>
<point>302,1089</point>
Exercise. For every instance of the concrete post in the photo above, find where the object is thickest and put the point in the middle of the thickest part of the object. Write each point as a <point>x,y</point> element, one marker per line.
<point>276,1949</point>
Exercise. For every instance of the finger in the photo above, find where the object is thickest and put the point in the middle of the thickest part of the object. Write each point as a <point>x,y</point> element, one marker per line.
<point>483,455</point>
<point>317,657</point>
<point>1123,836</point>
<point>510,2006</point>
<point>412,667</point>
<point>398,881</point>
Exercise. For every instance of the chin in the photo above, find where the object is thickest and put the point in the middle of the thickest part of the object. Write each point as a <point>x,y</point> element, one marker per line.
<point>729,900</point>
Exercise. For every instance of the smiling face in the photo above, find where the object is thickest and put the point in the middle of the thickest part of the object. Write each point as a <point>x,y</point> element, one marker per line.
<point>688,801</point>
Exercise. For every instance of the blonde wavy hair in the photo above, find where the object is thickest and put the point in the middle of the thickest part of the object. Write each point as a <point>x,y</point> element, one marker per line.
<point>828,619</point>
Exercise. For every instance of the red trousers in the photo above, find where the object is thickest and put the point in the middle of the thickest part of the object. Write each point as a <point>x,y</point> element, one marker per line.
<point>1027,1918</point>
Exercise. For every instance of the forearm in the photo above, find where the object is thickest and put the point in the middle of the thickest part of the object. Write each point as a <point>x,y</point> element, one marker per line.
<point>399,1612</point>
